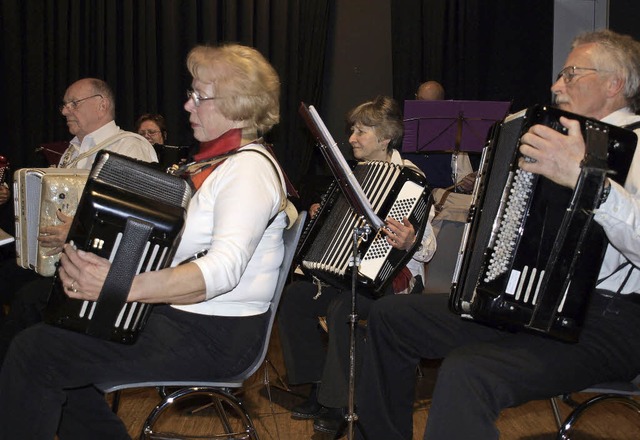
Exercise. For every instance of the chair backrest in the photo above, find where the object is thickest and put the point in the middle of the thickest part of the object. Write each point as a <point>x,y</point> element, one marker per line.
<point>448,226</point>
<point>291,237</point>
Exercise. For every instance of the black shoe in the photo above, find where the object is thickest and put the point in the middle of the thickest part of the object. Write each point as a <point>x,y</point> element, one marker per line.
<point>330,421</point>
<point>308,409</point>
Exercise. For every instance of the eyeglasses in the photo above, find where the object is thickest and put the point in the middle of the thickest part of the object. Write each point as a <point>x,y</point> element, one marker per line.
<point>148,132</point>
<point>568,74</point>
<point>192,94</point>
<point>73,105</point>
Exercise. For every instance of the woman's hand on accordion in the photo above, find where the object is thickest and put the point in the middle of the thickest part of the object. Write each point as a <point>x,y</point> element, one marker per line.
<point>552,154</point>
<point>400,235</point>
<point>55,236</point>
<point>82,273</point>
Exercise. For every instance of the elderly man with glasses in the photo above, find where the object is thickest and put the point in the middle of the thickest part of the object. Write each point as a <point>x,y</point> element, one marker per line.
<point>486,369</point>
<point>89,109</point>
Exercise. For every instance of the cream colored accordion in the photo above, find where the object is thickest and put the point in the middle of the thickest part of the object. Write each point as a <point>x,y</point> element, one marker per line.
<point>38,194</point>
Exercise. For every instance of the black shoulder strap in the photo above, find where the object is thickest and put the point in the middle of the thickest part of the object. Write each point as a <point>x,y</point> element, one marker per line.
<point>116,286</point>
<point>632,126</point>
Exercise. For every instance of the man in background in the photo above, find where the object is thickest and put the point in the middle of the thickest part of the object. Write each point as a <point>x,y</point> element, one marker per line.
<point>461,170</point>
<point>430,91</point>
<point>89,109</point>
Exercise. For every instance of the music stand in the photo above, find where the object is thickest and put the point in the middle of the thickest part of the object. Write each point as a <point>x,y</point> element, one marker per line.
<point>359,202</point>
<point>450,126</point>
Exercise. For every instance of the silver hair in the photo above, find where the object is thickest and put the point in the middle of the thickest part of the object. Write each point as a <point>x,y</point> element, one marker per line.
<point>620,53</point>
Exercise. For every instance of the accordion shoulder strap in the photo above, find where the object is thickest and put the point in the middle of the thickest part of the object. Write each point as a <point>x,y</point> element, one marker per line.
<point>105,143</point>
<point>286,205</point>
<point>632,126</point>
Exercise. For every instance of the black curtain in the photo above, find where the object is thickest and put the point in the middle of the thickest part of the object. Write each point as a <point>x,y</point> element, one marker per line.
<point>139,48</point>
<point>478,49</point>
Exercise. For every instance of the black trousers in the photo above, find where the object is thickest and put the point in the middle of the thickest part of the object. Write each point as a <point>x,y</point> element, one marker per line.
<point>46,381</point>
<point>12,278</point>
<point>26,309</point>
<point>303,342</point>
<point>484,370</point>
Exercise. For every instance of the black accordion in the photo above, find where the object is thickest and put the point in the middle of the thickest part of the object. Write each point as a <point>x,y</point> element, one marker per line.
<point>531,252</point>
<point>132,214</point>
<point>326,245</point>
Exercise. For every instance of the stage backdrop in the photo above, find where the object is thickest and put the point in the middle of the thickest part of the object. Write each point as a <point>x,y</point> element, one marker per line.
<point>139,48</point>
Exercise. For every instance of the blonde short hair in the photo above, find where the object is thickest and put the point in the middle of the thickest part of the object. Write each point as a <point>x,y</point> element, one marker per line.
<point>247,84</point>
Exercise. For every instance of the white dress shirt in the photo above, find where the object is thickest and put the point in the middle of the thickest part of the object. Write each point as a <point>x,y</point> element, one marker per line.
<point>620,219</point>
<point>134,146</point>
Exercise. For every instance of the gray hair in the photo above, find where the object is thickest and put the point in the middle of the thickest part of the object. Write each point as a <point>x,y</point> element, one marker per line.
<point>384,115</point>
<point>620,53</point>
<point>100,87</point>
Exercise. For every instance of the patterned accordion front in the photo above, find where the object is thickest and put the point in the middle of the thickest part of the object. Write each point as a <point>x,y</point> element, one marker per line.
<point>133,215</point>
<point>38,194</point>
<point>530,252</point>
<point>326,246</point>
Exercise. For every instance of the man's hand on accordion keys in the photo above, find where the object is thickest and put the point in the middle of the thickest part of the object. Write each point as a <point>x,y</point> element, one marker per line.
<point>55,236</point>
<point>4,194</point>
<point>82,273</point>
<point>313,209</point>
<point>555,155</point>
<point>400,235</point>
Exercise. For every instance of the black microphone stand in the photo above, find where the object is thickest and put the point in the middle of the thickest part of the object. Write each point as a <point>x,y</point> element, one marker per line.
<point>351,417</point>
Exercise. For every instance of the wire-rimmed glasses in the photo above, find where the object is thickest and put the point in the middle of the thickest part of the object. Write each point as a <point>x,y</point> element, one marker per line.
<point>193,94</point>
<point>568,74</point>
<point>73,105</point>
<point>148,132</point>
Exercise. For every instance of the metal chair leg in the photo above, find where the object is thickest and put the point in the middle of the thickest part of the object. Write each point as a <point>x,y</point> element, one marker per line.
<point>115,403</point>
<point>219,397</point>
<point>568,423</point>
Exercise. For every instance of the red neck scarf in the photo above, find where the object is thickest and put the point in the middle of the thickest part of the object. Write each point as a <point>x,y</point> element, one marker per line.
<point>222,145</point>
<point>229,141</point>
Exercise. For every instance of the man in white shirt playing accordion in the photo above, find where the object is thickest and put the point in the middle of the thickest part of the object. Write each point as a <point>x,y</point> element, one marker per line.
<point>89,109</point>
<point>486,369</point>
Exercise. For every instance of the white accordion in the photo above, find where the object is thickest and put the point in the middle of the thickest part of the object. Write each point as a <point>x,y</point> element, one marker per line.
<point>38,194</point>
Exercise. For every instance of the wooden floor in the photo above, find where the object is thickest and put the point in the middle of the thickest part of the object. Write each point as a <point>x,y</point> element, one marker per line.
<point>533,421</point>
